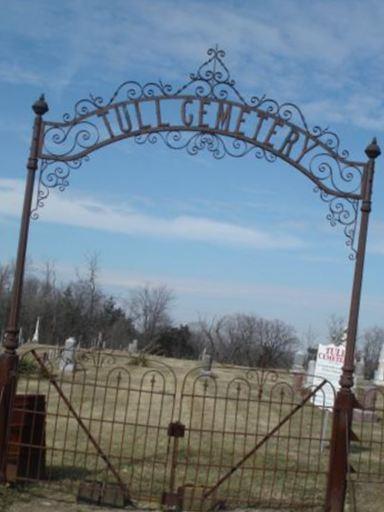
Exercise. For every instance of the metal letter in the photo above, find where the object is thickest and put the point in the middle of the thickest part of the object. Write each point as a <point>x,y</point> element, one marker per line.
<point>202,112</point>
<point>223,116</point>
<point>272,131</point>
<point>306,149</point>
<point>240,120</point>
<point>139,118</point>
<point>124,129</point>
<point>160,123</point>
<point>262,117</point>
<point>187,119</point>
<point>104,117</point>
<point>289,141</point>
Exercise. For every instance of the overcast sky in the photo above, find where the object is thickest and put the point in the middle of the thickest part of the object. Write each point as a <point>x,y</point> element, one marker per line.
<point>235,235</point>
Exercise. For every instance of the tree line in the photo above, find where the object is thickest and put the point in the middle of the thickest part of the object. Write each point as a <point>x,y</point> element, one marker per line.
<point>81,308</point>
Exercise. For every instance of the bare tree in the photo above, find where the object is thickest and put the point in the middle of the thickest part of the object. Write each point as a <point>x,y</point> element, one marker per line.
<point>149,309</point>
<point>5,294</point>
<point>208,334</point>
<point>373,342</point>
<point>5,279</point>
<point>336,329</point>
<point>309,338</point>
<point>249,340</point>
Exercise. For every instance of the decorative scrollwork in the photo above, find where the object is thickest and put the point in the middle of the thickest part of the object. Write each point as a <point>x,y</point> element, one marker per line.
<point>345,178</point>
<point>342,211</point>
<point>314,151</point>
<point>215,144</point>
<point>53,174</point>
<point>64,141</point>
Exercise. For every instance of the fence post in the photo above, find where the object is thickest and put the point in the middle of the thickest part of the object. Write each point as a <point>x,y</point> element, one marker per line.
<point>9,358</point>
<point>345,399</point>
<point>171,499</point>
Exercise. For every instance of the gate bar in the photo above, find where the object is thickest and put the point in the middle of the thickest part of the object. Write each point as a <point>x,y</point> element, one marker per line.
<point>259,444</point>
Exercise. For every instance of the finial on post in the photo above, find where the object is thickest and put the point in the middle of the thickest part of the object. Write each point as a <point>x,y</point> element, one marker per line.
<point>40,107</point>
<point>373,149</point>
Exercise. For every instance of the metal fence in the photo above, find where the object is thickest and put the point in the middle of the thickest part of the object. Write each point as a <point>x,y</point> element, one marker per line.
<point>122,428</point>
<point>366,456</point>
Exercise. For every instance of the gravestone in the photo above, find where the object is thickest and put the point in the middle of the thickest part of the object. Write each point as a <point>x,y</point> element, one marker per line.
<point>35,337</point>
<point>310,373</point>
<point>298,371</point>
<point>379,373</point>
<point>207,362</point>
<point>359,371</point>
<point>133,347</point>
<point>68,355</point>
<point>206,369</point>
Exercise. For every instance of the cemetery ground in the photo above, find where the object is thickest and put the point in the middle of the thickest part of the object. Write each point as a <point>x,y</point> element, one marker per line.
<point>291,466</point>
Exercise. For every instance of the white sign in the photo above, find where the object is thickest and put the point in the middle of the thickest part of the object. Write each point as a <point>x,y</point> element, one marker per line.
<point>329,363</point>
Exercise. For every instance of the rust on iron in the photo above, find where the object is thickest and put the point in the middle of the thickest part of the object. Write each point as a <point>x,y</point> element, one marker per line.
<point>213,116</point>
<point>81,423</point>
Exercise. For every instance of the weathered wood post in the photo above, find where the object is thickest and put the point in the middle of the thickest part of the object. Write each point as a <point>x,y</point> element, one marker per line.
<point>345,399</point>
<point>9,357</point>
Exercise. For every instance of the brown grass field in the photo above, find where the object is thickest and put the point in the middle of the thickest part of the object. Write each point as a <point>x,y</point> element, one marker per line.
<point>127,408</point>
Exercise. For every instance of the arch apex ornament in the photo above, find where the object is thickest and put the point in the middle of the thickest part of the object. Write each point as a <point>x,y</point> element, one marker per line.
<point>207,113</point>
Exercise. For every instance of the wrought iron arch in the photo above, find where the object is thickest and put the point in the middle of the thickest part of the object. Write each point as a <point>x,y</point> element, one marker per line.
<point>212,115</point>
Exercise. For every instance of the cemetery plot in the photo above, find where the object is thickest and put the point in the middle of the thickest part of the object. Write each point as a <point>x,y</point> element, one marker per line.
<point>169,434</point>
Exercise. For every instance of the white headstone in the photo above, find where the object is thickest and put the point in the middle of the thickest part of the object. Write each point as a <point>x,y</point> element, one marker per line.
<point>379,373</point>
<point>133,347</point>
<point>207,363</point>
<point>68,355</point>
<point>359,370</point>
<point>35,337</point>
<point>298,362</point>
<point>310,373</point>
<point>329,363</point>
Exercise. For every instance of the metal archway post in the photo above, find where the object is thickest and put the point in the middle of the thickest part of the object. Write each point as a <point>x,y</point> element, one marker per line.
<point>9,357</point>
<point>345,399</point>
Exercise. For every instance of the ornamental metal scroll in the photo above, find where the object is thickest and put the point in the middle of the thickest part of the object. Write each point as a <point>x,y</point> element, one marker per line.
<point>207,113</point>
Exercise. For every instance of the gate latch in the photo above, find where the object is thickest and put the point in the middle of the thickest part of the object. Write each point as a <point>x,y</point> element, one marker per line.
<point>176,429</point>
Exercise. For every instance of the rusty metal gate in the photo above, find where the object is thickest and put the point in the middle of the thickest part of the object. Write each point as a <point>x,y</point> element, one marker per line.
<point>250,440</point>
<point>209,113</point>
<point>104,424</point>
<point>118,429</point>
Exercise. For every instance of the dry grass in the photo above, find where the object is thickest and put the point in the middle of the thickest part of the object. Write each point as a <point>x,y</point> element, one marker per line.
<point>127,408</point>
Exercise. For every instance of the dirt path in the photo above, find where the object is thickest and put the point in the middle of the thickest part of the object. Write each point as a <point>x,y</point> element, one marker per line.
<point>17,500</point>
